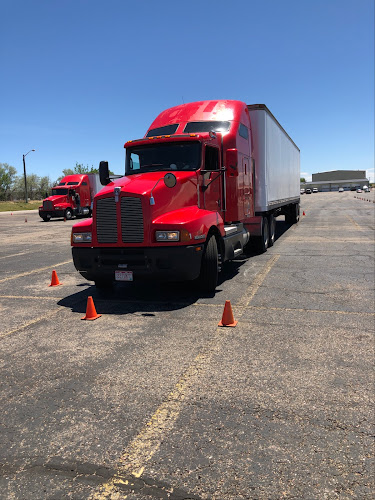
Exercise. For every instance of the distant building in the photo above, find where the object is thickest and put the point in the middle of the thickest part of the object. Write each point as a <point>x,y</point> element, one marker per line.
<point>332,181</point>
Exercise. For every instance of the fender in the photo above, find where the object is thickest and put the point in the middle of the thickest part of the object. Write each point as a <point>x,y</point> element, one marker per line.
<point>196,221</point>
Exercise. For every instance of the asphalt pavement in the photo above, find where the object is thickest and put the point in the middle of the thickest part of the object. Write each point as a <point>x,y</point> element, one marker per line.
<point>154,400</point>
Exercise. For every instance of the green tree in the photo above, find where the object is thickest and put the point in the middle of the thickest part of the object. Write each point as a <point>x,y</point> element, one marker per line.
<point>7,180</point>
<point>302,179</point>
<point>78,169</point>
<point>81,169</point>
<point>44,187</point>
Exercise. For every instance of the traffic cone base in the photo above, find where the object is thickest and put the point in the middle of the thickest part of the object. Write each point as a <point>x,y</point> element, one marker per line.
<point>55,280</point>
<point>227,319</point>
<point>90,310</point>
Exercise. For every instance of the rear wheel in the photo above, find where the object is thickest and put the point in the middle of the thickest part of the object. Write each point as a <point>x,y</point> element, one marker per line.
<point>263,239</point>
<point>272,227</point>
<point>210,266</point>
<point>292,216</point>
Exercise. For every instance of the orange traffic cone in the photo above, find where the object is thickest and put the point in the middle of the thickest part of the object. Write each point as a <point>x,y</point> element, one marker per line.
<point>55,280</point>
<point>25,219</point>
<point>227,319</point>
<point>90,310</point>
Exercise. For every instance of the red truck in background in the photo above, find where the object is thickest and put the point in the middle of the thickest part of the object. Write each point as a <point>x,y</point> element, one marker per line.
<point>72,197</point>
<point>206,182</point>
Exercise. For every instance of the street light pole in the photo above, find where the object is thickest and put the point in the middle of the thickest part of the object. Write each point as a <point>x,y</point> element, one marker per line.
<point>24,172</point>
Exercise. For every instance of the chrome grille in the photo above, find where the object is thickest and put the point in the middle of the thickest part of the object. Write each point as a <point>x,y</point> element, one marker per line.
<point>131,220</point>
<point>106,220</point>
<point>47,205</point>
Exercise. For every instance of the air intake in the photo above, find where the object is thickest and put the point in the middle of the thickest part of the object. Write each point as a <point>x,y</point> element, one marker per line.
<point>106,220</point>
<point>131,220</point>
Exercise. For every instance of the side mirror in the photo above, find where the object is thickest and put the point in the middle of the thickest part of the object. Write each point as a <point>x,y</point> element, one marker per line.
<point>170,180</point>
<point>104,173</point>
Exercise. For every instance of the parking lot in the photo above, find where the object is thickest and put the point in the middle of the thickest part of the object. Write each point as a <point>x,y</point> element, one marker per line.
<point>154,400</point>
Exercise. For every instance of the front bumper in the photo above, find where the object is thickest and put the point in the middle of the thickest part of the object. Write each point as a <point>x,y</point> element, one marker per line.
<point>165,263</point>
<point>51,213</point>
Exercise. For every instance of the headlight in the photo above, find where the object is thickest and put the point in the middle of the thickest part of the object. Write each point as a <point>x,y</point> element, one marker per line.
<point>167,235</point>
<point>82,237</point>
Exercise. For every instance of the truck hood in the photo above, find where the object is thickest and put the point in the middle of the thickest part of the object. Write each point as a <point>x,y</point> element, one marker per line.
<point>57,199</point>
<point>184,193</point>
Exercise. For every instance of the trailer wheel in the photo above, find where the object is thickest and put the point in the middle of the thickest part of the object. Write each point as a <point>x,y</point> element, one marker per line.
<point>292,216</point>
<point>68,213</point>
<point>210,266</point>
<point>272,227</point>
<point>263,239</point>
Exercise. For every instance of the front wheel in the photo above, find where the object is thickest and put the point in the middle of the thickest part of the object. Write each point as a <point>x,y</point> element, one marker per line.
<point>68,214</point>
<point>46,218</point>
<point>210,266</point>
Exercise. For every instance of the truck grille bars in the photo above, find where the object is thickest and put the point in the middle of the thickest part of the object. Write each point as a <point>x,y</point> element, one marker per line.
<point>131,223</point>
<point>47,205</point>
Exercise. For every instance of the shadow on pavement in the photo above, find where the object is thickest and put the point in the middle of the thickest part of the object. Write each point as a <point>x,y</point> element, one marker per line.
<point>146,296</point>
<point>151,296</point>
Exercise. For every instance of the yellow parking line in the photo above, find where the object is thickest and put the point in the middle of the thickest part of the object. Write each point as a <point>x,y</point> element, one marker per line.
<point>141,449</point>
<point>353,222</point>
<point>253,288</point>
<point>14,255</point>
<point>30,297</point>
<point>35,271</point>
<point>25,325</point>
<point>312,310</point>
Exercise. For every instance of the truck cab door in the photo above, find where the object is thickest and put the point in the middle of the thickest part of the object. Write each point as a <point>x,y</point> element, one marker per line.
<point>212,182</point>
<point>248,187</point>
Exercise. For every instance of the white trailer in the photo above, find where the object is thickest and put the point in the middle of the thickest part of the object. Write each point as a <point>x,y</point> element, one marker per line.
<point>277,175</point>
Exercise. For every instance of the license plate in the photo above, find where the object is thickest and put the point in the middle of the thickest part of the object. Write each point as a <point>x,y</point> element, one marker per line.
<point>124,275</point>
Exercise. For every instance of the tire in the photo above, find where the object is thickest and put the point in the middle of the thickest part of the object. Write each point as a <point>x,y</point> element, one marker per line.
<point>209,266</point>
<point>262,241</point>
<point>68,214</point>
<point>292,217</point>
<point>272,227</point>
<point>46,218</point>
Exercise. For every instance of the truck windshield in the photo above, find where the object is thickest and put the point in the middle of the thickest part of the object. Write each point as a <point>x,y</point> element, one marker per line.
<point>160,157</point>
<point>59,191</point>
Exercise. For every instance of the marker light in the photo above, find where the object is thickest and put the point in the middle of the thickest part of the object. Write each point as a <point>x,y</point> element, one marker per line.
<point>167,235</point>
<point>82,237</point>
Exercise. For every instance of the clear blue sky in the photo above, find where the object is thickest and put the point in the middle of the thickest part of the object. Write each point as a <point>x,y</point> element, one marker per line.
<point>81,77</point>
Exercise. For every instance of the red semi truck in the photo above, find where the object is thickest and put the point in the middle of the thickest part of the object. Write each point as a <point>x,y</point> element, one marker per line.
<point>72,197</point>
<point>206,181</point>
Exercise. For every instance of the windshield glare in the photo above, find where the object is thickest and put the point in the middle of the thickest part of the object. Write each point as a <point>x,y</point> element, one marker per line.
<point>160,157</point>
